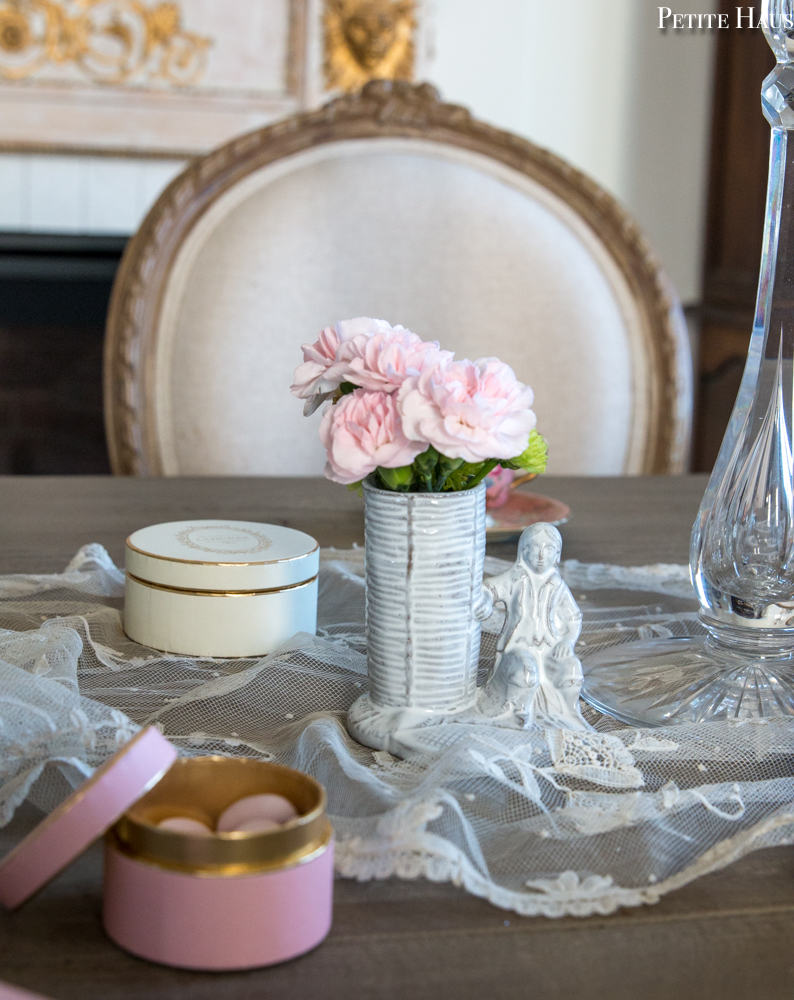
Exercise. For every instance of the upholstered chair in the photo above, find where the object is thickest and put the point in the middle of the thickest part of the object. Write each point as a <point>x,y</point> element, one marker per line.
<point>389,204</point>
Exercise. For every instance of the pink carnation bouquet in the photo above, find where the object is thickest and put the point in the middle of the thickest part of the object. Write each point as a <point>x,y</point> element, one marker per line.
<point>405,412</point>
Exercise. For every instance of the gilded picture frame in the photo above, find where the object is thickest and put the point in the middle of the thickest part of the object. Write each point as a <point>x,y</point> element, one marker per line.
<point>151,78</point>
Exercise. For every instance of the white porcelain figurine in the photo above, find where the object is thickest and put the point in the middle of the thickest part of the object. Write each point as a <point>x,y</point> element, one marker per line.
<point>537,677</point>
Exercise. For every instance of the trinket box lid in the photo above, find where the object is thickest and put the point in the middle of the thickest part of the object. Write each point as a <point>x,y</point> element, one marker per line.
<point>85,815</point>
<point>215,555</point>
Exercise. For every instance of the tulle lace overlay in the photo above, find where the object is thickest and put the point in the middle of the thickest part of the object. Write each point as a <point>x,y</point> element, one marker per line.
<point>542,822</point>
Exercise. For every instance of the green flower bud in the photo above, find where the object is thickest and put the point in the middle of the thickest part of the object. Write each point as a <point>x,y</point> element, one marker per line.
<point>396,479</point>
<point>533,458</point>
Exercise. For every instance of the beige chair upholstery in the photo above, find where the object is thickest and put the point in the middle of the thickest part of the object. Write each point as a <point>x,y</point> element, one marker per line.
<point>394,205</point>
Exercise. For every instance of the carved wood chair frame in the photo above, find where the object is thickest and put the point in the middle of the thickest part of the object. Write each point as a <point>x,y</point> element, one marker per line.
<point>390,109</point>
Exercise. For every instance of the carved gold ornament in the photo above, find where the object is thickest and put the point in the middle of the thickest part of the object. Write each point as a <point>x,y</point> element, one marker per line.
<point>109,41</point>
<point>368,40</point>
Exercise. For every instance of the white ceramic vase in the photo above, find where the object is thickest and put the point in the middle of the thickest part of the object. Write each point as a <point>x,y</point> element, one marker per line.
<point>424,567</point>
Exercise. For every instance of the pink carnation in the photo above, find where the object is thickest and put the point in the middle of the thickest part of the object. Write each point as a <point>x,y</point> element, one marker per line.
<point>385,359</point>
<point>325,362</point>
<point>362,431</point>
<point>474,410</point>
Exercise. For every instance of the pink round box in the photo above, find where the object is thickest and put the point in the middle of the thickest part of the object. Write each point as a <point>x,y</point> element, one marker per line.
<point>230,901</point>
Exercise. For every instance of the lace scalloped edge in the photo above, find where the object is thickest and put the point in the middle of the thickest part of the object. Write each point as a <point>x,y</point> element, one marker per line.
<point>446,863</point>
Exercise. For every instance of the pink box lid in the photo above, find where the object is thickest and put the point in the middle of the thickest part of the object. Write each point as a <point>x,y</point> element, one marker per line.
<point>91,810</point>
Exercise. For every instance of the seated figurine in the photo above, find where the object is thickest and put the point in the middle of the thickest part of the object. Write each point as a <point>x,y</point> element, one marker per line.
<point>537,677</point>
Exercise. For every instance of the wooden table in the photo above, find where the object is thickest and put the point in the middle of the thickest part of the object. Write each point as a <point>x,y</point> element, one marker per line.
<point>728,935</point>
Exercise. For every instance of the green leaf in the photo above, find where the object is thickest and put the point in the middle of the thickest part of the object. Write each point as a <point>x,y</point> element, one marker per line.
<point>448,465</point>
<point>426,462</point>
<point>397,479</point>
<point>444,469</point>
<point>357,487</point>
<point>425,465</point>
<point>459,478</point>
<point>482,472</point>
<point>533,458</point>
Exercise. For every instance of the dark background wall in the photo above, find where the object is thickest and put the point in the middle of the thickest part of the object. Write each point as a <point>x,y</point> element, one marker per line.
<point>734,228</point>
<point>54,293</point>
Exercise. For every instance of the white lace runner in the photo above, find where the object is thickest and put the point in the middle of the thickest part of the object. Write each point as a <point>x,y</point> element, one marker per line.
<point>545,822</point>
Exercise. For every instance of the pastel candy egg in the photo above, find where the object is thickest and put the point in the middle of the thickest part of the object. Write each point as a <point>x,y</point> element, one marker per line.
<point>269,806</point>
<point>184,824</point>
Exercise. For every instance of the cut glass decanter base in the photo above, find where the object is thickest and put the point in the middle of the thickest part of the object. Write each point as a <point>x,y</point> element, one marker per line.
<point>742,546</point>
<point>668,682</point>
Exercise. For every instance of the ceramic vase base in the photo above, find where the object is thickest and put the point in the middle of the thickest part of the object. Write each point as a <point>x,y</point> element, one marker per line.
<point>396,729</point>
<point>387,727</point>
<point>678,681</point>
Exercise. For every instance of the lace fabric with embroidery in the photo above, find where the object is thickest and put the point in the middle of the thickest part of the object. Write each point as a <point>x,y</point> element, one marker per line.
<point>541,822</point>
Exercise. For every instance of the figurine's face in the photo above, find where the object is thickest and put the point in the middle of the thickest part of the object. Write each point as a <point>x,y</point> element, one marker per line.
<point>541,552</point>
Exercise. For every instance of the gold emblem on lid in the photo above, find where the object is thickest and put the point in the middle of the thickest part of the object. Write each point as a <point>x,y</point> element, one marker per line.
<point>224,539</point>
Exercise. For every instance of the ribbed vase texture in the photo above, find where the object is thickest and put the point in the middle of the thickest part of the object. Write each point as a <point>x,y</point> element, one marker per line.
<point>424,566</point>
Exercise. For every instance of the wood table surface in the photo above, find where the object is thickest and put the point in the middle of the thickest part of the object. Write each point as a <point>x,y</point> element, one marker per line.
<point>727,935</point>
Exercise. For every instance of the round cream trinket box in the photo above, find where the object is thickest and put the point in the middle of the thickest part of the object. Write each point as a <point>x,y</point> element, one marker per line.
<point>220,588</point>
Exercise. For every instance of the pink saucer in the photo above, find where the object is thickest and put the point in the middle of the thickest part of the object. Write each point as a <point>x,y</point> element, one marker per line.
<point>521,510</point>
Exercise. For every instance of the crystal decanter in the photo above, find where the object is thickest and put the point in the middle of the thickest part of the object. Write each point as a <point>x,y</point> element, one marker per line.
<point>742,549</point>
